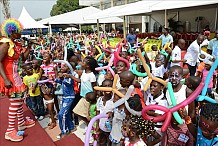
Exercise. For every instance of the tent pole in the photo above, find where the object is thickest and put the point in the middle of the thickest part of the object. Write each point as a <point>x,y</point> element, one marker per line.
<point>98,29</point>
<point>215,23</point>
<point>124,27</point>
<point>50,30</point>
<point>80,29</point>
<point>165,18</point>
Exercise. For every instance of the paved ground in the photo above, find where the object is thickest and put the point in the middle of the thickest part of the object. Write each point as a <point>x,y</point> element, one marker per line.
<point>80,132</point>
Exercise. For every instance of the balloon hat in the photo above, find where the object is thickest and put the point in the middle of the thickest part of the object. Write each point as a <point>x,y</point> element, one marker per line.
<point>9,26</point>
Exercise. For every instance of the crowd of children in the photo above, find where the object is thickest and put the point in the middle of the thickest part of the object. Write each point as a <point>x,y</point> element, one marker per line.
<point>73,94</point>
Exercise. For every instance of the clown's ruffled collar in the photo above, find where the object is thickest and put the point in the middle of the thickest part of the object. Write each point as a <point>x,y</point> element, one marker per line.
<point>11,45</point>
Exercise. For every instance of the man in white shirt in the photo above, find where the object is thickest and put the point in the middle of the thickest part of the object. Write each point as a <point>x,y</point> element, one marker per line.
<point>191,56</point>
<point>176,53</point>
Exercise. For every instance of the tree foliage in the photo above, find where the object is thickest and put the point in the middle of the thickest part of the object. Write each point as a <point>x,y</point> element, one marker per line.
<point>64,6</point>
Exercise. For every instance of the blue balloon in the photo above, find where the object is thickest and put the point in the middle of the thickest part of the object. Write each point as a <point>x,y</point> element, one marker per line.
<point>207,81</point>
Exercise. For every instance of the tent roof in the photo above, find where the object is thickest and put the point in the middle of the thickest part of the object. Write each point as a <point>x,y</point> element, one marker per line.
<point>28,22</point>
<point>147,6</point>
<point>77,17</point>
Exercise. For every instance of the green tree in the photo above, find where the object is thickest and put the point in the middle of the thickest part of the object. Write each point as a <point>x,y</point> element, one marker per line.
<point>64,6</point>
<point>38,19</point>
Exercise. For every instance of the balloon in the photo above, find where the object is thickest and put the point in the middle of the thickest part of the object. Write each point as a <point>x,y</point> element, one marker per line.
<point>126,97</point>
<point>109,89</point>
<point>166,117</point>
<point>108,67</point>
<point>207,81</point>
<point>173,100</point>
<point>101,56</point>
<point>66,62</point>
<point>134,71</point>
<point>117,58</point>
<point>65,53</point>
<point>89,128</point>
<point>148,72</point>
<point>43,81</point>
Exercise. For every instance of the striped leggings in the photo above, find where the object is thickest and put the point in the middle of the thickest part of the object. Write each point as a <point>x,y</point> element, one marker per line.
<point>15,111</point>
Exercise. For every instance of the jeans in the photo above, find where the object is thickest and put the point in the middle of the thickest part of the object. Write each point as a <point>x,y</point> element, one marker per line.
<point>37,105</point>
<point>64,116</point>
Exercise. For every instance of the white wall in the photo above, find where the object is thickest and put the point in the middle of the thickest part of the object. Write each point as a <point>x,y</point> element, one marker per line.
<point>187,15</point>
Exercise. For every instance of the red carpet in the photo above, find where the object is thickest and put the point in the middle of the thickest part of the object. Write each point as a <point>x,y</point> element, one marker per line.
<point>70,140</point>
<point>35,136</point>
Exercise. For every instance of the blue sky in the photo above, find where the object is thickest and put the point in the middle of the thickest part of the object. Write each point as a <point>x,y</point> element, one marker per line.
<point>36,8</point>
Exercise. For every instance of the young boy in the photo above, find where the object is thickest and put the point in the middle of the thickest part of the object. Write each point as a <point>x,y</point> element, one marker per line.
<point>36,66</point>
<point>33,92</point>
<point>64,116</point>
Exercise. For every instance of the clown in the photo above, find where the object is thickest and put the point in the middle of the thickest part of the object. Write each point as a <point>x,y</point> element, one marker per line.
<point>11,84</point>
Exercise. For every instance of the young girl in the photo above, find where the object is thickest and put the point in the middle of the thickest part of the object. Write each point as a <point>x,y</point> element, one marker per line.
<point>88,81</point>
<point>50,71</point>
<point>104,105</point>
<point>205,72</point>
<point>47,90</point>
<point>135,128</point>
<point>177,135</point>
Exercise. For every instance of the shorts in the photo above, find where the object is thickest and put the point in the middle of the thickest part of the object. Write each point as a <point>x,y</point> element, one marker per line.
<point>49,101</point>
<point>82,108</point>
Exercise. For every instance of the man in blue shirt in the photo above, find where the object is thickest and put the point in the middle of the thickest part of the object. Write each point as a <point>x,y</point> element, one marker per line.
<point>166,38</point>
<point>131,37</point>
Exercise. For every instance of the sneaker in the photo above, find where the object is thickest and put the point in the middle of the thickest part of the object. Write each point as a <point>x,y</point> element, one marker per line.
<point>13,136</point>
<point>73,130</point>
<point>61,136</point>
<point>41,118</point>
<point>91,140</point>
<point>27,124</point>
<point>36,117</point>
<point>76,123</point>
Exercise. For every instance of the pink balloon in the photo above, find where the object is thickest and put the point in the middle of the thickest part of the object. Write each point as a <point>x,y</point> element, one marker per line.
<point>108,67</point>
<point>166,117</point>
<point>117,58</point>
<point>89,128</point>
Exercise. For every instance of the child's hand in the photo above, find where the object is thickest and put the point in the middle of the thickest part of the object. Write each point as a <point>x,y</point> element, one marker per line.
<point>183,112</point>
<point>88,118</point>
<point>34,89</point>
<point>66,75</point>
<point>110,115</point>
<point>27,95</point>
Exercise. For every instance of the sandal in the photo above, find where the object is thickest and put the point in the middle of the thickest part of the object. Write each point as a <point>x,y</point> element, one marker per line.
<point>52,125</point>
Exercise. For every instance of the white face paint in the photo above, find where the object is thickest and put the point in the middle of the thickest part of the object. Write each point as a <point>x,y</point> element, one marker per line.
<point>175,77</point>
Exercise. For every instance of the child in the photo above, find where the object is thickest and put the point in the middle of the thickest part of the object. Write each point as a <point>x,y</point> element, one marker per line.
<point>205,72</point>
<point>104,105</point>
<point>118,117</point>
<point>33,92</point>
<point>91,98</point>
<point>47,90</point>
<point>36,66</point>
<point>177,135</point>
<point>180,91</point>
<point>158,68</point>
<point>207,131</point>
<point>156,96</point>
<point>135,128</point>
<point>88,81</point>
<point>64,116</point>
<point>50,71</point>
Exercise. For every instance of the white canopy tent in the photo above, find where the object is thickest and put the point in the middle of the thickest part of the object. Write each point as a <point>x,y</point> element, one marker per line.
<point>77,17</point>
<point>28,22</point>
